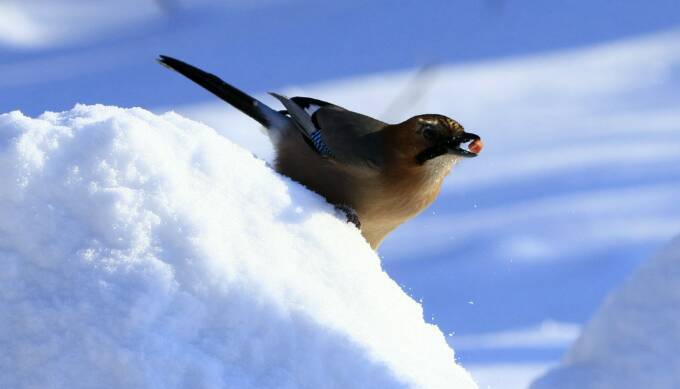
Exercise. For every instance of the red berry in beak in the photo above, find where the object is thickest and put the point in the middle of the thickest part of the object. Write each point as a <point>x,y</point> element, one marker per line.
<point>476,146</point>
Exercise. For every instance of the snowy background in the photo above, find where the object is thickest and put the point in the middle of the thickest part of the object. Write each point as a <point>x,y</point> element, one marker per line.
<point>632,340</point>
<point>577,104</point>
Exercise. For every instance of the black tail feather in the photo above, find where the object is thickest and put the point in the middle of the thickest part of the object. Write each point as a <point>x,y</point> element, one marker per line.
<point>271,119</point>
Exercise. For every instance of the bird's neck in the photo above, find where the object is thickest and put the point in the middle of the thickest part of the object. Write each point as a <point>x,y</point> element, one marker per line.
<point>413,187</point>
<point>408,172</point>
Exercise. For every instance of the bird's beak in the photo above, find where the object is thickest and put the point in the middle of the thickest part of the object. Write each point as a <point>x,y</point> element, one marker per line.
<point>457,145</point>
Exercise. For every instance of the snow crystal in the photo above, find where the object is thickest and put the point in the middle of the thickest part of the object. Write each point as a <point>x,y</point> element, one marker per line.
<point>149,251</point>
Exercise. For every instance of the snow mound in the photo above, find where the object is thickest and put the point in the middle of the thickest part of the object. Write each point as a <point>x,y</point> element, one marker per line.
<point>632,342</point>
<point>148,251</point>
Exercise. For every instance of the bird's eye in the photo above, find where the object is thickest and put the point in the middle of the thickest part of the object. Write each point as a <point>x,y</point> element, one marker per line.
<point>428,132</point>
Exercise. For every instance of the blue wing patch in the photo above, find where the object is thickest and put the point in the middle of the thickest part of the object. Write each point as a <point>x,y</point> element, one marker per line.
<point>319,144</point>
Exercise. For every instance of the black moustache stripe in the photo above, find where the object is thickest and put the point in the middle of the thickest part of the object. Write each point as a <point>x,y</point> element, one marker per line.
<point>431,152</point>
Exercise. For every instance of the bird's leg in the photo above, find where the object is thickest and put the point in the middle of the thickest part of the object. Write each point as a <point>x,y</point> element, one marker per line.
<point>350,213</point>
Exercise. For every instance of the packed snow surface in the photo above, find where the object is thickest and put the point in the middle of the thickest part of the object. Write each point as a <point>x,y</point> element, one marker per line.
<point>149,251</point>
<point>632,342</point>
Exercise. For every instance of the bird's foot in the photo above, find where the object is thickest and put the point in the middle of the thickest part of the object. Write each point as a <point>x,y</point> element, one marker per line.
<point>350,213</point>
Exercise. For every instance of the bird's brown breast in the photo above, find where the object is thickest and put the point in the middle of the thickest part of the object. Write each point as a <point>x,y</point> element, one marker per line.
<point>400,196</point>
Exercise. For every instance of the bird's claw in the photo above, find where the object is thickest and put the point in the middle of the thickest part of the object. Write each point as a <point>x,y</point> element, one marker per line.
<point>350,213</point>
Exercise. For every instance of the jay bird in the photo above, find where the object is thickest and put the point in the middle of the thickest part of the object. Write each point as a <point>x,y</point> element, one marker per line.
<point>379,174</point>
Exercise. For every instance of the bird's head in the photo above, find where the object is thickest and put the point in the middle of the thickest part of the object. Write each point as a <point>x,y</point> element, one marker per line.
<point>426,137</point>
